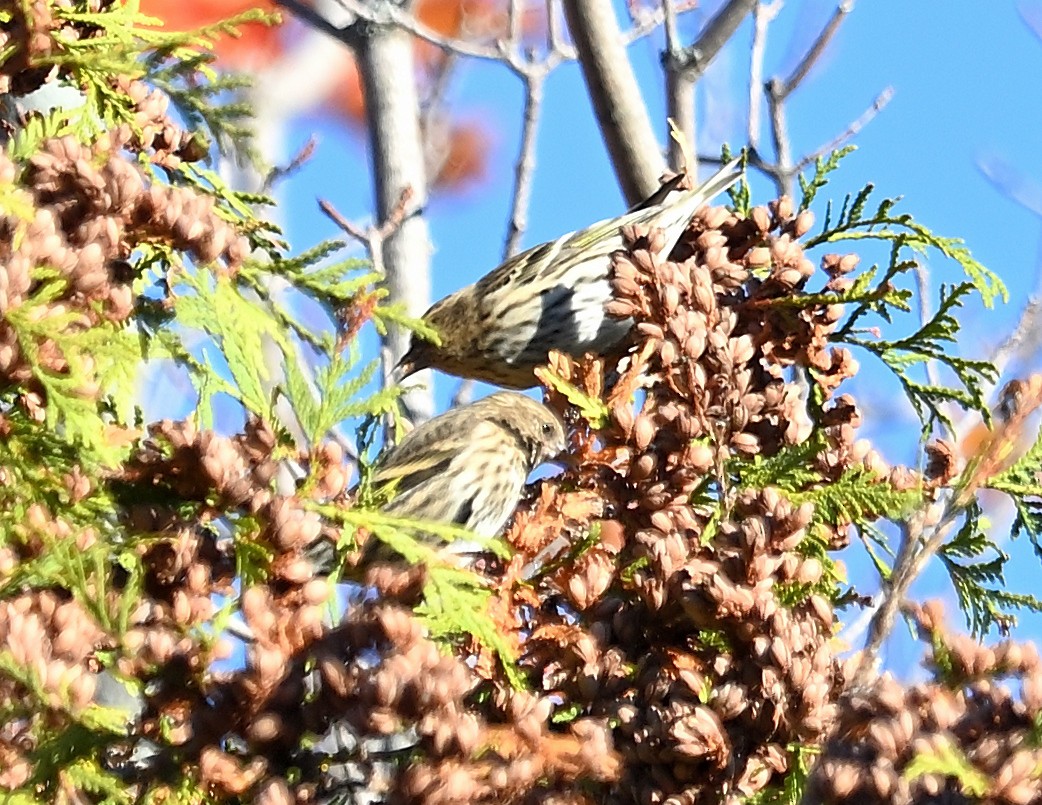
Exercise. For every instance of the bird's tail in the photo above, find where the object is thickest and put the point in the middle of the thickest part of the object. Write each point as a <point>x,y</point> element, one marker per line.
<point>673,212</point>
<point>722,180</point>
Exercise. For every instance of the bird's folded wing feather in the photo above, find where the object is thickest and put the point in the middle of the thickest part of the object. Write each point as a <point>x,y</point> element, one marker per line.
<point>424,453</point>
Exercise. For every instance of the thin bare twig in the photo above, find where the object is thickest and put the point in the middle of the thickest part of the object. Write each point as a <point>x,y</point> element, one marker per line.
<point>1024,334</point>
<point>916,550</point>
<point>280,172</point>
<point>882,99</point>
<point>553,27</point>
<point>524,167</point>
<point>438,87</point>
<point>763,15</point>
<point>364,235</point>
<point>372,237</point>
<point>649,20</point>
<point>814,52</point>
<point>669,14</point>
<point>922,282</point>
<point>783,171</point>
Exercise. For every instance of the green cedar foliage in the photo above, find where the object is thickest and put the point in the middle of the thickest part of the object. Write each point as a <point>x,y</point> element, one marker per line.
<point>215,325</point>
<point>81,421</point>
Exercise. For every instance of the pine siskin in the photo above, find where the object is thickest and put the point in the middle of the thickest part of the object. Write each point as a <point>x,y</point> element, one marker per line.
<point>467,466</point>
<point>552,296</point>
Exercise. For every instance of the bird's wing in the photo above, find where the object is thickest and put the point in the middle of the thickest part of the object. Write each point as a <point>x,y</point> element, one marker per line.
<point>511,270</point>
<point>675,208</point>
<point>426,451</point>
<point>668,188</point>
<point>668,209</point>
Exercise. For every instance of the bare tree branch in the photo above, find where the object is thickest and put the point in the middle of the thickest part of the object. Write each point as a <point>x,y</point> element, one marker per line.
<point>718,32</point>
<point>616,96</point>
<point>684,66</point>
<point>553,27</point>
<point>917,548</point>
<point>311,16</point>
<point>392,107</point>
<point>515,18</point>
<point>372,237</point>
<point>367,237</point>
<point>680,94</point>
<point>533,72</point>
<point>783,170</point>
<point>390,14</point>
<point>669,13</point>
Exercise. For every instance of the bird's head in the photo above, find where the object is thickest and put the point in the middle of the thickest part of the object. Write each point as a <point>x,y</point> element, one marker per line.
<point>425,352</point>
<point>552,438</point>
<point>453,321</point>
<point>537,428</point>
<point>417,357</point>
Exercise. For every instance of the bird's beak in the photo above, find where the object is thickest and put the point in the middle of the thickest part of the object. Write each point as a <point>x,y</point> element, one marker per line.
<point>405,367</point>
<point>562,459</point>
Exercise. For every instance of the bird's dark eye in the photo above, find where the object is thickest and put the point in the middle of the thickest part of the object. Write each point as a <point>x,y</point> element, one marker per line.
<point>548,429</point>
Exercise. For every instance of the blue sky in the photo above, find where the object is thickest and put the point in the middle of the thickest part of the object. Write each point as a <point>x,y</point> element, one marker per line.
<point>966,84</point>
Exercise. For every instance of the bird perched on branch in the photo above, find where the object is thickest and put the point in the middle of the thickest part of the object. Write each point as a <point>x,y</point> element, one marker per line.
<point>552,296</point>
<point>467,467</point>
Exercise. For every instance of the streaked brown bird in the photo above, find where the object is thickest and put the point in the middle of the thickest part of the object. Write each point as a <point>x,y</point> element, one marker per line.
<point>467,467</point>
<point>552,296</point>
